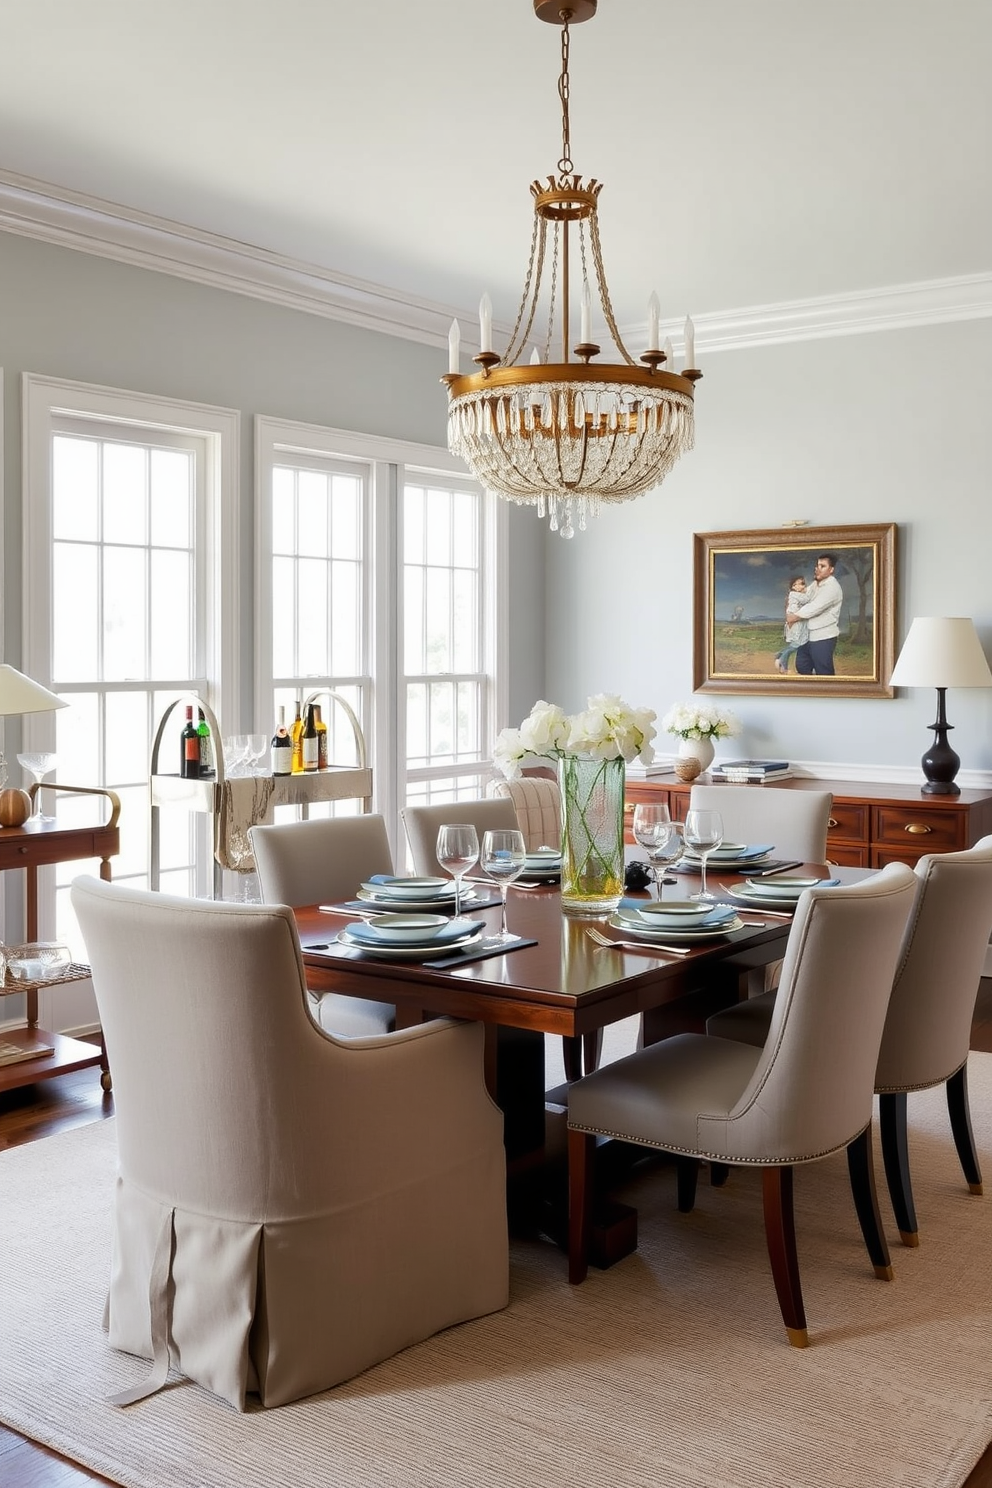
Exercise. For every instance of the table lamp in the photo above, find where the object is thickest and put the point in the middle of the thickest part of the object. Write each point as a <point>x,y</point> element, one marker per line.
<point>941,652</point>
<point>18,694</point>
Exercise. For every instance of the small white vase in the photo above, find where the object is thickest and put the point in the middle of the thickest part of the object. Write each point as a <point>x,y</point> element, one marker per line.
<point>700,749</point>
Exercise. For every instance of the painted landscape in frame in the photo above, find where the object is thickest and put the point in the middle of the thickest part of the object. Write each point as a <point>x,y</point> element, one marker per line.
<point>741,585</point>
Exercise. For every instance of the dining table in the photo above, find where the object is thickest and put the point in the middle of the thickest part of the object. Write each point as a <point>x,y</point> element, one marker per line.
<point>557,980</point>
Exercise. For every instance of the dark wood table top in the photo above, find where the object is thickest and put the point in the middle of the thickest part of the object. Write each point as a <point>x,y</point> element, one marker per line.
<point>564,984</point>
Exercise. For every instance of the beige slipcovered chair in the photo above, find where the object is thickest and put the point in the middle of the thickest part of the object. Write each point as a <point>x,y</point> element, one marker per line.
<point>422,824</point>
<point>290,1208</point>
<point>323,861</point>
<point>928,1024</point>
<point>796,821</point>
<point>805,1094</point>
<point>537,802</point>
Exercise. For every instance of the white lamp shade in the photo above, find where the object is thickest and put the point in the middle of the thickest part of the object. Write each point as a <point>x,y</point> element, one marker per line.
<point>942,651</point>
<point>18,694</point>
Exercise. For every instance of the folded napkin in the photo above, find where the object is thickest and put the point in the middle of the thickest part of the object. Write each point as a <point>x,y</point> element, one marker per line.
<point>454,931</point>
<point>757,850</point>
<point>479,950</point>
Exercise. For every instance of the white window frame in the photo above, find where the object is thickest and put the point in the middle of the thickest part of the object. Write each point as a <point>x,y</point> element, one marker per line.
<point>389,462</point>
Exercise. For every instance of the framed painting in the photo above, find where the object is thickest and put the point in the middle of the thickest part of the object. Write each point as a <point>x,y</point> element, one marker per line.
<point>803,610</point>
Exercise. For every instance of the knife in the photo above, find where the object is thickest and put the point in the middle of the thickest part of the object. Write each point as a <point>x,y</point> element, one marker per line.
<point>771,872</point>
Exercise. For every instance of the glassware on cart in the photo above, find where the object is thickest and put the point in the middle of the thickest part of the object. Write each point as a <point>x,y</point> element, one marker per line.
<point>456,850</point>
<point>36,961</point>
<point>504,857</point>
<point>39,764</point>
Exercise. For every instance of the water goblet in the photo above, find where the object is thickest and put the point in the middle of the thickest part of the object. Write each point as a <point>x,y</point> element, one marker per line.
<point>257,744</point>
<point>235,755</point>
<point>39,764</point>
<point>457,849</point>
<point>703,834</point>
<point>668,855</point>
<point>504,855</point>
<point>652,827</point>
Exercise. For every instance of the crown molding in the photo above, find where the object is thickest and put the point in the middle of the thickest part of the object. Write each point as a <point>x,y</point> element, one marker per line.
<point>72,219</point>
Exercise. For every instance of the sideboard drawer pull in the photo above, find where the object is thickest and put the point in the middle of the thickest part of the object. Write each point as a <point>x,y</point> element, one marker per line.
<point>832,821</point>
<point>917,827</point>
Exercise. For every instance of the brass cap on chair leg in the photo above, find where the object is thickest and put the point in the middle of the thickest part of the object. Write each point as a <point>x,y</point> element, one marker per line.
<point>976,1188</point>
<point>909,1237</point>
<point>884,1273</point>
<point>798,1337</point>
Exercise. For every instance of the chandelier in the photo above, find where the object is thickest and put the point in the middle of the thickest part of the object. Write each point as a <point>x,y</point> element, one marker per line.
<point>567,436</point>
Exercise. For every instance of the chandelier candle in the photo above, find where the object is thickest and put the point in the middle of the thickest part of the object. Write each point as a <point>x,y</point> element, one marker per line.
<point>565,436</point>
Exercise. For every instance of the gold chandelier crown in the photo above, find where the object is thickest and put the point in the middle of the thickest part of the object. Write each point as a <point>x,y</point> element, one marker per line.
<point>568,435</point>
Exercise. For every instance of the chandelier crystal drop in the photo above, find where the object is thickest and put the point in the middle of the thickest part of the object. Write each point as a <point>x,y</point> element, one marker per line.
<point>567,436</point>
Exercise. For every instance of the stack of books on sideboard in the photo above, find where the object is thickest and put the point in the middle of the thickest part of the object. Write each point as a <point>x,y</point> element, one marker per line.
<point>749,772</point>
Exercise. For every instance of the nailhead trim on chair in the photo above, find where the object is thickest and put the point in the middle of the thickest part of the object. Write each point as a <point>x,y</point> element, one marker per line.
<point>736,1162</point>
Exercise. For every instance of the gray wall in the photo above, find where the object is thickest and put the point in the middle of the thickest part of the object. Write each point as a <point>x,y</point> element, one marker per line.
<point>890,427</point>
<point>69,314</point>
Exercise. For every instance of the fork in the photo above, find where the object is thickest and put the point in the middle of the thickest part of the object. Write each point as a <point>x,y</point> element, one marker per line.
<point>635,945</point>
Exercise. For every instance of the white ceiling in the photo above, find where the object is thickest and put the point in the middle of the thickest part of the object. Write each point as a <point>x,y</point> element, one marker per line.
<point>753,151</point>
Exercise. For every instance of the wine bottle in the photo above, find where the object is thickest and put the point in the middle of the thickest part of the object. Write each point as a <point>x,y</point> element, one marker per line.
<point>309,741</point>
<point>296,738</point>
<point>281,753</point>
<point>321,738</point>
<point>206,748</point>
<point>189,762</point>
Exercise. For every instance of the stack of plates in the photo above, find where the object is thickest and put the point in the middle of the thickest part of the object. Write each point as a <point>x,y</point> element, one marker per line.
<point>780,891</point>
<point>683,920</point>
<point>412,895</point>
<point>389,938</point>
<point>542,866</point>
<point>733,855</point>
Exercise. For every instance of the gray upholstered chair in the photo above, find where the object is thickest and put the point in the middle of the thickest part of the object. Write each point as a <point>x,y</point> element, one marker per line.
<point>537,802</point>
<point>796,821</point>
<point>805,1094</point>
<point>323,861</point>
<point>928,1024</point>
<point>291,1208</point>
<point>422,824</point>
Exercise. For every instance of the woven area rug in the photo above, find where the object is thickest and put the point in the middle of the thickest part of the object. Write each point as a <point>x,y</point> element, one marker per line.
<point>671,1368</point>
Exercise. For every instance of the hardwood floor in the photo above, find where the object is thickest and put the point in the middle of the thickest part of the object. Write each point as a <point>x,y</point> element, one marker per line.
<point>39,1110</point>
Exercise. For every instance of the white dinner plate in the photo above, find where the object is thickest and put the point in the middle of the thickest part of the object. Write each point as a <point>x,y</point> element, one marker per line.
<point>391,904</point>
<point>744,856</point>
<point>413,888</point>
<point>764,901</point>
<point>684,936</point>
<point>410,953</point>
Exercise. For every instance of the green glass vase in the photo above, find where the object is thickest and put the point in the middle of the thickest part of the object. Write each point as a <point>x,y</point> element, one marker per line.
<point>592,861</point>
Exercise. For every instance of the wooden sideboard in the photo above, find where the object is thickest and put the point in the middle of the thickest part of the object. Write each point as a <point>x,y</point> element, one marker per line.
<point>871,824</point>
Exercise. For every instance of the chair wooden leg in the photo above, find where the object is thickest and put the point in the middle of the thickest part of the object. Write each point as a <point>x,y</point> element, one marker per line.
<point>580,1152</point>
<point>686,1175</point>
<point>964,1139</point>
<point>719,1173</point>
<point>895,1155</point>
<point>861,1167</point>
<point>780,1235</point>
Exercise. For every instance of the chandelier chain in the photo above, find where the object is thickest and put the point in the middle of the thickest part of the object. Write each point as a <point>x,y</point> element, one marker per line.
<point>553,296</point>
<point>604,291</point>
<point>565,163</point>
<point>513,350</point>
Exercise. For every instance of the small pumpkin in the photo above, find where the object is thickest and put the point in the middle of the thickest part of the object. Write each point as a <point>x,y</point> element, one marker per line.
<point>15,808</point>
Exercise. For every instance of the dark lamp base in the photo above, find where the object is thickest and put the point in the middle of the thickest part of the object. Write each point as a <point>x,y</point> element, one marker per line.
<point>940,788</point>
<point>941,763</point>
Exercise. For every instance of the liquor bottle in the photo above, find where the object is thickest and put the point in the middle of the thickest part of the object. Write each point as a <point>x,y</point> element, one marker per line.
<point>282,747</point>
<point>309,741</point>
<point>296,738</point>
<point>206,748</point>
<point>321,738</point>
<point>189,760</point>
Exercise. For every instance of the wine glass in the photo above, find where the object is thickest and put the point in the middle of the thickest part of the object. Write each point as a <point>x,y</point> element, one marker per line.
<point>652,827</point>
<point>504,855</point>
<point>703,833</point>
<point>235,755</point>
<point>457,849</point>
<point>667,856</point>
<point>257,744</point>
<point>37,764</point>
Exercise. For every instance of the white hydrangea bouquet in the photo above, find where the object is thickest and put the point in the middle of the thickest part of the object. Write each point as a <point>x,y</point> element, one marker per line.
<point>591,749</point>
<point>607,729</point>
<point>700,721</point>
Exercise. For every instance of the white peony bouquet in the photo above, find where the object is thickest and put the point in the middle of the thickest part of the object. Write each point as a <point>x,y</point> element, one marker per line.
<point>608,728</point>
<point>700,721</point>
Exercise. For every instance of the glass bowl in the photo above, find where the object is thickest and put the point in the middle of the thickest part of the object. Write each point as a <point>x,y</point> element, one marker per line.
<point>36,960</point>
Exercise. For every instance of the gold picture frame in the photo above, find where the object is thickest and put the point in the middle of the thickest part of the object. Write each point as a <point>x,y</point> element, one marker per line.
<point>741,581</point>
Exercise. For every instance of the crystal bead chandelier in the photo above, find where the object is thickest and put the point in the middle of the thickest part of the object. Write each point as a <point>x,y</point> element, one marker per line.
<point>567,436</point>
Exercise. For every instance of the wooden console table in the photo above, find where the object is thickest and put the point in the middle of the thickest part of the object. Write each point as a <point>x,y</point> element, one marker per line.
<point>871,823</point>
<point>31,847</point>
